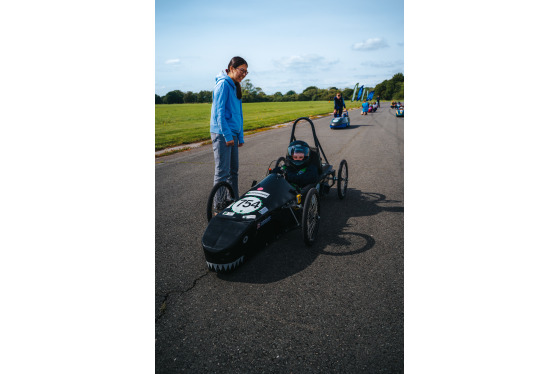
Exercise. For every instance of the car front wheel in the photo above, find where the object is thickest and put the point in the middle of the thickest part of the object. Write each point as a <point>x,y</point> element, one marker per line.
<point>310,217</point>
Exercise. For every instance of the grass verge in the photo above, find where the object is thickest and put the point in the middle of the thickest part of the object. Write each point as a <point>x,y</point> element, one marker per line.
<point>179,124</point>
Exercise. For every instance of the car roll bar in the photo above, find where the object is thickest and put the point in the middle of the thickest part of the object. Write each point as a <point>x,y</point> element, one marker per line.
<point>317,144</point>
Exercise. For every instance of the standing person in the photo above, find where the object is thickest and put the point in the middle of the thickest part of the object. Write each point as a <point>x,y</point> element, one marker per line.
<point>338,105</point>
<point>378,98</point>
<point>226,122</point>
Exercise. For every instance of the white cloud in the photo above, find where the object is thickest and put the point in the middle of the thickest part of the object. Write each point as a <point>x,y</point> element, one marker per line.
<point>370,45</point>
<point>301,63</point>
<point>173,61</point>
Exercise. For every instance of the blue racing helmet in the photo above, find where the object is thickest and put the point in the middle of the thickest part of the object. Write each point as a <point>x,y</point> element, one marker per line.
<point>300,149</point>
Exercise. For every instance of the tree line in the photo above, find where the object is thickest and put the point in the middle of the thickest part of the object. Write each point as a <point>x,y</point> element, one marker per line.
<point>389,89</point>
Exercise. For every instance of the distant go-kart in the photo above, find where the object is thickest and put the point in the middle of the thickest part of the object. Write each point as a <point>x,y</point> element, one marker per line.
<point>239,227</point>
<point>340,122</point>
<point>400,111</point>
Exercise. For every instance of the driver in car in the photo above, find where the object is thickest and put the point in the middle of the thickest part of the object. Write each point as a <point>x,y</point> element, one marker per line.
<point>298,169</point>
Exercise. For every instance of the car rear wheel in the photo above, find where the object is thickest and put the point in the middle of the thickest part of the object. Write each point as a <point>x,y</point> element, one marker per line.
<point>342,180</point>
<point>310,217</point>
<point>220,198</point>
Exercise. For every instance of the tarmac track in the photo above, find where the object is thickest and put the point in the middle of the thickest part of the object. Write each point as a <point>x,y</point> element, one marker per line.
<point>337,307</point>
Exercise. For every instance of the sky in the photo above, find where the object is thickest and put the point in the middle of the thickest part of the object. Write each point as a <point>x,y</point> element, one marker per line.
<point>288,45</point>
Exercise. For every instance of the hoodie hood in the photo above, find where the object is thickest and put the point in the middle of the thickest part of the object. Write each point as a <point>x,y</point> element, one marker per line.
<point>223,76</point>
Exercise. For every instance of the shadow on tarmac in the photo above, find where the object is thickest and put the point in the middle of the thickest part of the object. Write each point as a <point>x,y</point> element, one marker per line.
<point>289,255</point>
<point>355,127</point>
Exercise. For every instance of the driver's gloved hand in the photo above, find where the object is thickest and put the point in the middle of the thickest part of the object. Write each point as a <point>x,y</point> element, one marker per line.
<point>277,170</point>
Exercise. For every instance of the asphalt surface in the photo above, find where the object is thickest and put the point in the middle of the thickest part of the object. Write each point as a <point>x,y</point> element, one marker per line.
<point>337,307</point>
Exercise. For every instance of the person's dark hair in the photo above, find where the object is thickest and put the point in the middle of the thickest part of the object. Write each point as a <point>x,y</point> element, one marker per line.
<point>235,63</point>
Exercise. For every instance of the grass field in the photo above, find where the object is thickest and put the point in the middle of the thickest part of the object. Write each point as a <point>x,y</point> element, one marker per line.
<point>178,124</point>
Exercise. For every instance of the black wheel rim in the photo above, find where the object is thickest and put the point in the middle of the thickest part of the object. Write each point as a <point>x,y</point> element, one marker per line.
<point>220,198</point>
<point>342,179</point>
<point>313,217</point>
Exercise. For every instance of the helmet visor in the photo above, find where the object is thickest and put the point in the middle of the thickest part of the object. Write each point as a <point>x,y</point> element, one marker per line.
<point>298,148</point>
<point>298,154</point>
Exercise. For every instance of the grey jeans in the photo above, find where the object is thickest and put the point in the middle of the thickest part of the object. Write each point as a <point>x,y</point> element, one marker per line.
<point>226,160</point>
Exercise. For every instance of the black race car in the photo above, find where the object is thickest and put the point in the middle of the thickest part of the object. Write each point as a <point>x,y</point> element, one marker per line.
<point>238,228</point>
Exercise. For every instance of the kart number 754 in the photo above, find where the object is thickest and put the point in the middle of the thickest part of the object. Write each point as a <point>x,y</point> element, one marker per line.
<point>247,205</point>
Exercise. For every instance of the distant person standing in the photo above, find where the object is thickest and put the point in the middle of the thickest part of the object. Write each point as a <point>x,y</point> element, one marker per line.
<point>226,122</point>
<point>378,98</point>
<point>338,105</point>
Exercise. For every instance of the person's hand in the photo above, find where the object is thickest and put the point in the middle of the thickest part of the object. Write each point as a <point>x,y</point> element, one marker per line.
<point>241,144</point>
<point>230,143</point>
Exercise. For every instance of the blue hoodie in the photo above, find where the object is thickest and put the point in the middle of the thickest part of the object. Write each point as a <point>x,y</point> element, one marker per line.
<point>365,107</point>
<point>227,115</point>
